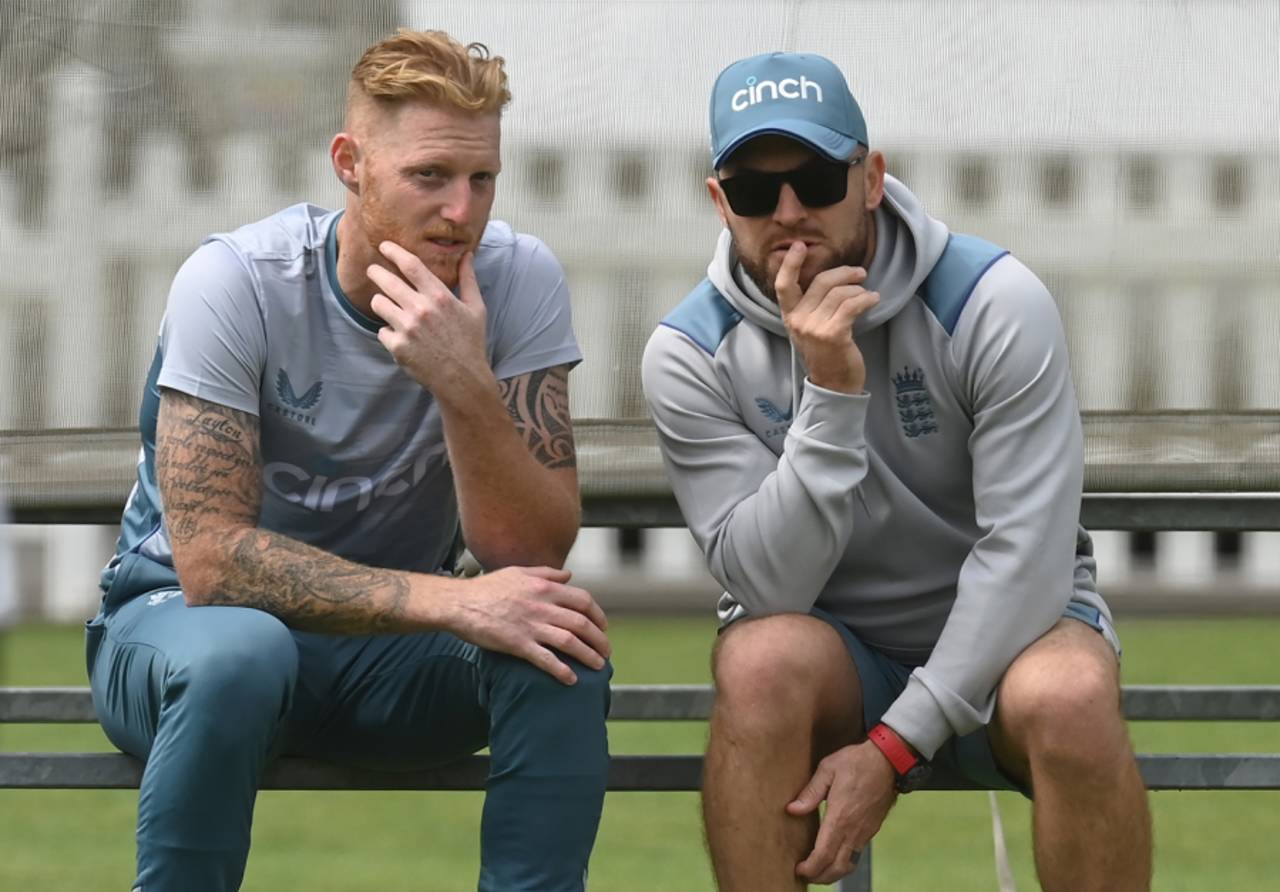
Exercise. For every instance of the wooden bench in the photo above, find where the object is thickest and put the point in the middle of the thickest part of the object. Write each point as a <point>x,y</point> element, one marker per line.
<point>627,773</point>
<point>1215,472</point>
<point>652,703</point>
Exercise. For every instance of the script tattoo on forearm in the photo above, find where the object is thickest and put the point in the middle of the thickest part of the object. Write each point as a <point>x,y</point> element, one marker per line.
<point>539,406</point>
<point>209,468</point>
<point>207,462</point>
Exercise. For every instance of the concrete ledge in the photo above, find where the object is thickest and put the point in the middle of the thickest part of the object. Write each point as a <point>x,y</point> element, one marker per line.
<point>1193,470</point>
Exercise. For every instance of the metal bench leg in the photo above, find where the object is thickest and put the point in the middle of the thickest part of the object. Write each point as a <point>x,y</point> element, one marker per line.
<point>860,879</point>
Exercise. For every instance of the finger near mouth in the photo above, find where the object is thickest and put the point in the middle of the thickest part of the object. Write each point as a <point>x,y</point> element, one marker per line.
<point>784,247</point>
<point>780,252</point>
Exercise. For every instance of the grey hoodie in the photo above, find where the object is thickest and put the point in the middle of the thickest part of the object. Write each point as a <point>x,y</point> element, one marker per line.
<point>937,513</point>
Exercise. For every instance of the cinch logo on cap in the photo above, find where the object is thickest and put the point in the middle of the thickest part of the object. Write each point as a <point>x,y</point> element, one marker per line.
<point>799,95</point>
<point>787,88</point>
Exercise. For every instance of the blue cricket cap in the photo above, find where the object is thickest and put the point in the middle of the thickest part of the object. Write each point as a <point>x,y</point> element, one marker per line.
<point>800,95</point>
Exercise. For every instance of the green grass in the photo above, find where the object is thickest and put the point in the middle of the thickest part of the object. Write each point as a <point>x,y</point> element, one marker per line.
<point>82,840</point>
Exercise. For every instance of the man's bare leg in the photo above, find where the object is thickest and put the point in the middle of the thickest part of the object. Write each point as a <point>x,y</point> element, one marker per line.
<point>1058,726</point>
<point>787,693</point>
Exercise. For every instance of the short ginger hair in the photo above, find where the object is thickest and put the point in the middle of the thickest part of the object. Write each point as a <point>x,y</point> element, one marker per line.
<point>432,66</point>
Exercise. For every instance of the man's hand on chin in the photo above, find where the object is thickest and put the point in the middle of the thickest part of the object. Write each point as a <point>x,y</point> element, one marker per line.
<point>437,338</point>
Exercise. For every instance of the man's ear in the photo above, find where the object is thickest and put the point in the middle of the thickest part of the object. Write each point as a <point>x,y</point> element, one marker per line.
<point>344,154</point>
<point>717,197</point>
<point>873,179</point>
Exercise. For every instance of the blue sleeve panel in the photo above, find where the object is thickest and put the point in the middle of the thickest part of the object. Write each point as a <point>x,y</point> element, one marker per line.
<point>964,261</point>
<point>704,316</point>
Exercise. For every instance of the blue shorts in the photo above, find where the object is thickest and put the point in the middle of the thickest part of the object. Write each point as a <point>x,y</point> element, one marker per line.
<point>966,757</point>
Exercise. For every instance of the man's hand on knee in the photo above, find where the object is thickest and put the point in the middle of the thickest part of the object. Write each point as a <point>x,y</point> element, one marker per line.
<point>531,613</point>
<point>857,783</point>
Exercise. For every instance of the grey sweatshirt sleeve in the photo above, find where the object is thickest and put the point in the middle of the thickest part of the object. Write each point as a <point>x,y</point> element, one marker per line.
<point>1010,357</point>
<point>772,527</point>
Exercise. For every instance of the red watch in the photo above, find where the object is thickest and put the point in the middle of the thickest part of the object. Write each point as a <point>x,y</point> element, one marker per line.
<point>912,771</point>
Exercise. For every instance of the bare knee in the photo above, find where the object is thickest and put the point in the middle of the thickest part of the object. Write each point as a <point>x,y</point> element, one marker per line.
<point>783,672</point>
<point>1059,707</point>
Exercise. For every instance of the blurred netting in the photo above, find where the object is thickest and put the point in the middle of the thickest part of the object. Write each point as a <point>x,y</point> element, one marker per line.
<point>1128,152</point>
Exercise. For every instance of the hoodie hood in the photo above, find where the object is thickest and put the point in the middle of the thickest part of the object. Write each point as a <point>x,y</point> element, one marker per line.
<point>908,244</point>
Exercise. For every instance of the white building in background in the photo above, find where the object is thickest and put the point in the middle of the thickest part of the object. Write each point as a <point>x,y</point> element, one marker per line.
<point>1144,188</point>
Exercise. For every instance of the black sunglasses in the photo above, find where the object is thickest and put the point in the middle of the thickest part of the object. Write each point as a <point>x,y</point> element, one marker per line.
<point>818,183</point>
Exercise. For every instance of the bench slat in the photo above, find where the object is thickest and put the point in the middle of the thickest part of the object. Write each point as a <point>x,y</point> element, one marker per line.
<point>693,702</point>
<point>1202,703</point>
<point>46,706</point>
<point>1232,771</point>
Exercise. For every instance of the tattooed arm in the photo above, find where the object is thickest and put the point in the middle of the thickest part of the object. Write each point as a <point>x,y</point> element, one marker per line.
<point>515,469</point>
<point>209,468</point>
<point>510,443</point>
<point>539,405</point>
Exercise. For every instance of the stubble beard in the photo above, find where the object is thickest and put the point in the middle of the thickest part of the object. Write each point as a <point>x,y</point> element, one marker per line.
<point>380,224</point>
<point>853,253</point>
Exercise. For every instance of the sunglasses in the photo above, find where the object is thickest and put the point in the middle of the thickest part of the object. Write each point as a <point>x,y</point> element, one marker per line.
<point>818,183</point>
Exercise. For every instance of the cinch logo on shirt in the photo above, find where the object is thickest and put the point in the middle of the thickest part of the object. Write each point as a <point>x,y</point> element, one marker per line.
<point>787,88</point>
<point>319,492</point>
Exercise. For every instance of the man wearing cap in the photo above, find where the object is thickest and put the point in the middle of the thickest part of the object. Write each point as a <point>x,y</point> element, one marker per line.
<point>870,426</point>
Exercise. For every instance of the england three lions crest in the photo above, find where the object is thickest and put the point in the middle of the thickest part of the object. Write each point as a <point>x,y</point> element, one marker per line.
<point>915,408</point>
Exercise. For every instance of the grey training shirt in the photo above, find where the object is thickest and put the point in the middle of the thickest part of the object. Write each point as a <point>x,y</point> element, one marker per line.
<point>353,451</point>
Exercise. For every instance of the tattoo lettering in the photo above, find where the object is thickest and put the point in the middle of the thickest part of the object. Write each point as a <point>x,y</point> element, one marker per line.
<point>539,406</point>
<point>219,427</point>
<point>207,471</point>
<point>209,468</point>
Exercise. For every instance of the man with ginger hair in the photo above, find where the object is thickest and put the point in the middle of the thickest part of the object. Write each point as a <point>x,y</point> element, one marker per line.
<point>336,397</point>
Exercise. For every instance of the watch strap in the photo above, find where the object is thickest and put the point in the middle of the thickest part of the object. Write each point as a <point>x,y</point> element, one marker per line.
<point>897,752</point>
